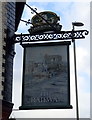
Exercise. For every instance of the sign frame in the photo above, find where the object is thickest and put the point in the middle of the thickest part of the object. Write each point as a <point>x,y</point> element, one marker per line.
<point>24,107</point>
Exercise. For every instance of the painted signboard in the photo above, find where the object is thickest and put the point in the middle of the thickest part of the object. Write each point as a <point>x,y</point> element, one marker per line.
<point>46,77</point>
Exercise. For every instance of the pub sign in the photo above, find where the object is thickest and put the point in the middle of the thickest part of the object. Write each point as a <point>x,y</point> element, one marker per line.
<point>46,76</point>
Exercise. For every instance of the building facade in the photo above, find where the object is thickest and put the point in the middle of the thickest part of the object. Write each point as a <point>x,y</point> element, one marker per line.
<point>10,14</point>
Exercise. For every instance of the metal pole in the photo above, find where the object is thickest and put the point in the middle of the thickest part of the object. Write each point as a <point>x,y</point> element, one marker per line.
<point>76,87</point>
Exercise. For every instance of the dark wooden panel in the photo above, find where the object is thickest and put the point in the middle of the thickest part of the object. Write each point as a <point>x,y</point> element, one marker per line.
<point>46,80</point>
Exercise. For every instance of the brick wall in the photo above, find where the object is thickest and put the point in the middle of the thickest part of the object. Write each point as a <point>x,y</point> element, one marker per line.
<point>10,23</point>
<point>7,29</point>
<point>1,51</point>
<point>8,26</point>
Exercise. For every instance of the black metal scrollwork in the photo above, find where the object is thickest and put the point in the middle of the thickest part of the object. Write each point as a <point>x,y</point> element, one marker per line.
<point>62,35</point>
<point>86,32</point>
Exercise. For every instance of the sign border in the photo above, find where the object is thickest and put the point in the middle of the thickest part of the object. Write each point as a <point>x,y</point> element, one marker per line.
<point>47,106</point>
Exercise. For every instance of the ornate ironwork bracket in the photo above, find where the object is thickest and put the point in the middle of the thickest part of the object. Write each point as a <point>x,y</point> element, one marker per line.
<point>62,35</point>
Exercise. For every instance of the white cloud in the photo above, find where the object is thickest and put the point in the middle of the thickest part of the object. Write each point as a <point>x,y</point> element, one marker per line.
<point>83,60</point>
<point>84,105</point>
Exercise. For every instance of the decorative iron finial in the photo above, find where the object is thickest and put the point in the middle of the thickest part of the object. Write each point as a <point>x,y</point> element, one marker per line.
<point>44,22</point>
